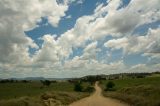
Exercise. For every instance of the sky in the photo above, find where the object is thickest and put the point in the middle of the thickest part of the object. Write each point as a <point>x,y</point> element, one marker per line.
<point>74,38</point>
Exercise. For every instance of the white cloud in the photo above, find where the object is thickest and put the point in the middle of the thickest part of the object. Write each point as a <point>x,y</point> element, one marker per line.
<point>68,17</point>
<point>90,51</point>
<point>73,1</point>
<point>144,68</point>
<point>19,16</point>
<point>49,50</point>
<point>111,21</point>
<point>117,43</point>
<point>147,44</point>
<point>80,1</point>
<point>81,67</point>
<point>107,20</point>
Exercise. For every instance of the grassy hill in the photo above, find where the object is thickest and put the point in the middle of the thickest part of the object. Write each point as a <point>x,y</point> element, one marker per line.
<point>136,91</point>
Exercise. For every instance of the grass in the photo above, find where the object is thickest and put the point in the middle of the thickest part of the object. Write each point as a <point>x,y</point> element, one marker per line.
<point>64,98</point>
<point>46,99</point>
<point>137,92</point>
<point>35,94</point>
<point>15,90</point>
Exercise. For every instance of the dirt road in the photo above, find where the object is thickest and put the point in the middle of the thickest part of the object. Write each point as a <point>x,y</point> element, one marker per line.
<point>97,99</point>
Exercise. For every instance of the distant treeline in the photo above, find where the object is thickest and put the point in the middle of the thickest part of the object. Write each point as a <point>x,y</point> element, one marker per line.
<point>93,78</point>
<point>89,78</point>
<point>130,75</point>
<point>13,81</point>
<point>26,81</point>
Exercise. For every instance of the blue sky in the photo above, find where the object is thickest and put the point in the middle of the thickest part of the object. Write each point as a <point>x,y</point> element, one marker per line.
<point>76,11</point>
<point>78,37</point>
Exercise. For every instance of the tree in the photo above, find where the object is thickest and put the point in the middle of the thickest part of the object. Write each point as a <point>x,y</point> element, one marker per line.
<point>46,82</point>
<point>78,87</point>
<point>110,85</point>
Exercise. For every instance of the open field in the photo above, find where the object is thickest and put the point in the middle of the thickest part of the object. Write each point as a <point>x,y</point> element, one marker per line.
<point>46,99</point>
<point>137,91</point>
<point>35,94</point>
<point>14,90</point>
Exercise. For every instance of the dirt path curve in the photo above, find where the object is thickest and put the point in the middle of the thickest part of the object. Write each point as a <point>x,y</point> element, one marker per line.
<point>97,99</point>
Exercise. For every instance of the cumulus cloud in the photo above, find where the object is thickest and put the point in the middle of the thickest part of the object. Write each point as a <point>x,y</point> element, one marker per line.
<point>144,68</point>
<point>147,44</point>
<point>123,21</point>
<point>19,16</point>
<point>109,20</point>
<point>53,57</point>
<point>90,51</point>
<point>117,43</point>
<point>81,67</point>
<point>49,50</point>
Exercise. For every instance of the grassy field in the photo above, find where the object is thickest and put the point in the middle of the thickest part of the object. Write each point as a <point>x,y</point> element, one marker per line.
<point>35,94</point>
<point>14,90</point>
<point>137,91</point>
<point>46,99</point>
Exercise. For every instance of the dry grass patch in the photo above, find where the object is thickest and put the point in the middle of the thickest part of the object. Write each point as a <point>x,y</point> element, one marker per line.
<point>46,99</point>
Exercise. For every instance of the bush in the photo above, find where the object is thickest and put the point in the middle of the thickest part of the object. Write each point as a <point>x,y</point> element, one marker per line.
<point>78,87</point>
<point>89,89</point>
<point>109,86</point>
<point>46,82</point>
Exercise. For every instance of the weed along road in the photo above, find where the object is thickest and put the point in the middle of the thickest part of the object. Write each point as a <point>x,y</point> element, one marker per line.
<point>97,99</point>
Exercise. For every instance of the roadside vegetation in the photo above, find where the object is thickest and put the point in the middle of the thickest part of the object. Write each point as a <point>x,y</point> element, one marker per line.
<point>9,90</point>
<point>140,91</point>
<point>110,86</point>
<point>46,99</point>
<point>40,93</point>
<point>136,89</point>
<point>83,87</point>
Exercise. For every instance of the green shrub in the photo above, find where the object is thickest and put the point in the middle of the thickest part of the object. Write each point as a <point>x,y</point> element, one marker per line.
<point>89,89</point>
<point>78,87</point>
<point>110,86</point>
<point>46,82</point>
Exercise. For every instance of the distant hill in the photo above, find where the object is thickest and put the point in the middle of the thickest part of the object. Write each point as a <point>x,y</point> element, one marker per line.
<point>37,79</point>
<point>101,76</point>
<point>28,78</point>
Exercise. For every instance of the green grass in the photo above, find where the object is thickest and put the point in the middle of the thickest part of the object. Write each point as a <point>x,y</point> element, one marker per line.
<point>15,90</point>
<point>35,94</point>
<point>46,99</point>
<point>34,88</point>
<point>129,82</point>
<point>137,92</point>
